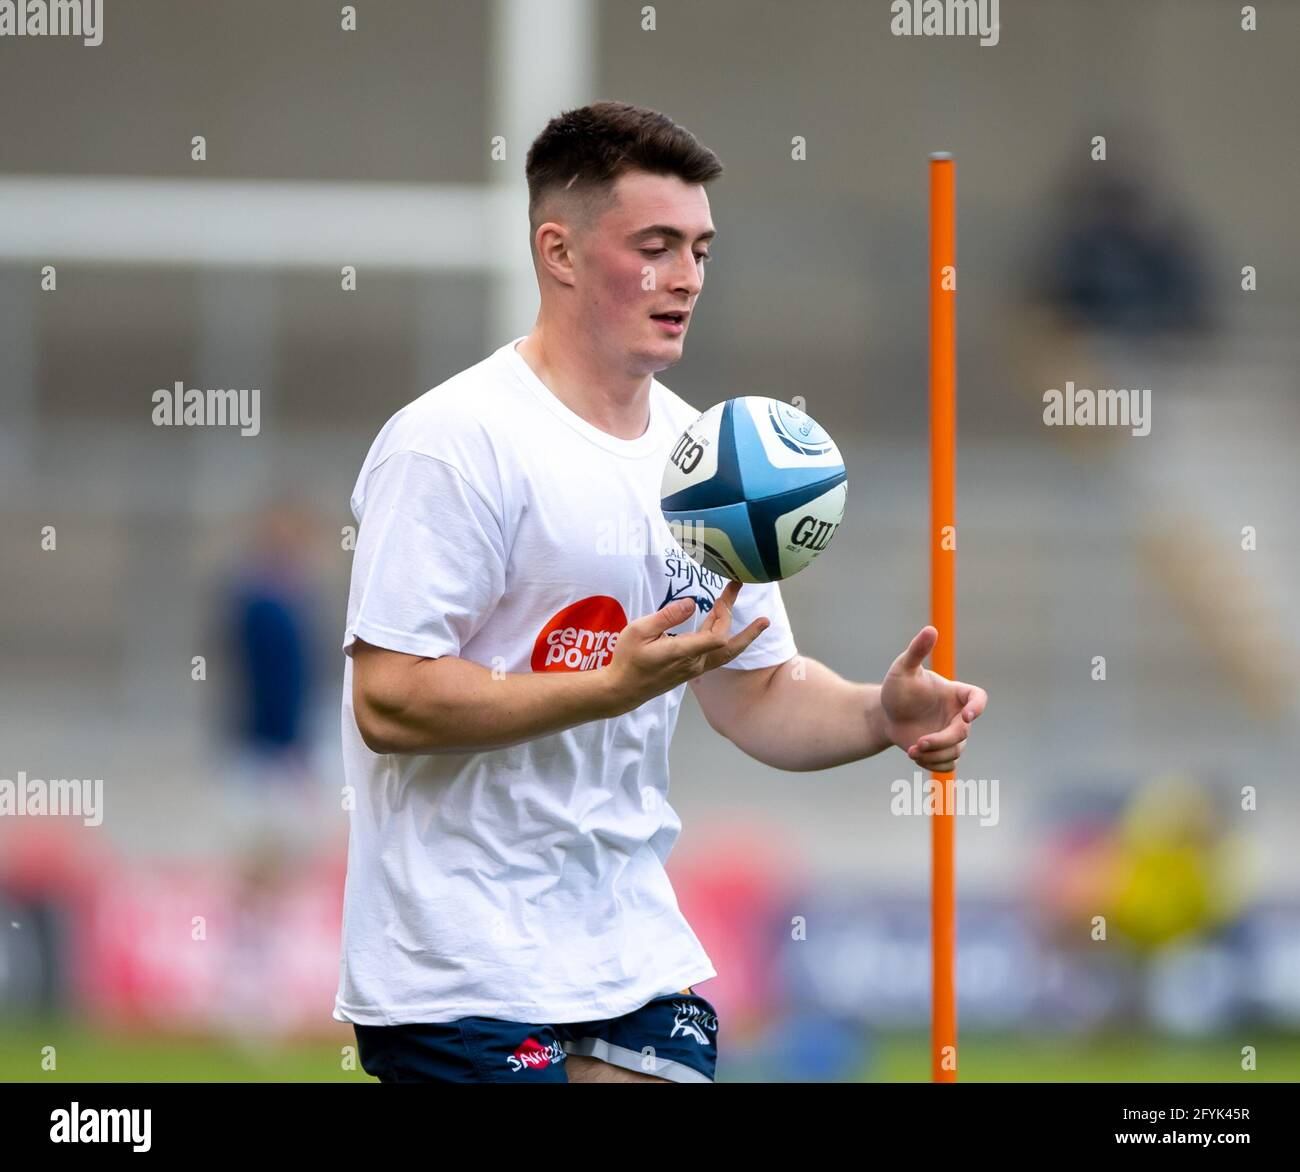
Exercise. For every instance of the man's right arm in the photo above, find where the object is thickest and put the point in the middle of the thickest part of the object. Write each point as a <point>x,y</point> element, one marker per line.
<point>407,704</point>
<point>411,704</point>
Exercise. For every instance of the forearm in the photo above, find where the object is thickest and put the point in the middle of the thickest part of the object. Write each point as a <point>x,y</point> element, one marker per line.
<point>808,717</point>
<point>452,705</point>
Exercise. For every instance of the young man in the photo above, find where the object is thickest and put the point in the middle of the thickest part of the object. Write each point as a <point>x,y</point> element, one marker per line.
<point>520,629</point>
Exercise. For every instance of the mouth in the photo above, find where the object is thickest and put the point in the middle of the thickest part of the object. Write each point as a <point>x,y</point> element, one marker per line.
<point>672,322</point>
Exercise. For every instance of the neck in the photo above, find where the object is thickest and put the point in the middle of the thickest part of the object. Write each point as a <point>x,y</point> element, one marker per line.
<point>616,401</point>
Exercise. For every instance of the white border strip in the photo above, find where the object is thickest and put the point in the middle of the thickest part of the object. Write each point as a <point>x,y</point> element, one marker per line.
<point>632,1060</point>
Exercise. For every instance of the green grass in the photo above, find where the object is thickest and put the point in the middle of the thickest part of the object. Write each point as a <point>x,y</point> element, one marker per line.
<point>86,1055</point>
<point>1105,1058</point>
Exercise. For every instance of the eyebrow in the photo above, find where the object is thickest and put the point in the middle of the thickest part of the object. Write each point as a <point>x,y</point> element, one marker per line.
<point>670,233</point>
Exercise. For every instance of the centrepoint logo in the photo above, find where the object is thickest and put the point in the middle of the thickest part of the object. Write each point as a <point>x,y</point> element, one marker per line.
<point>581,637</point>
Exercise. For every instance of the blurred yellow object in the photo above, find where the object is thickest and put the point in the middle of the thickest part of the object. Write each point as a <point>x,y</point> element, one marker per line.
<point>1176,872</point>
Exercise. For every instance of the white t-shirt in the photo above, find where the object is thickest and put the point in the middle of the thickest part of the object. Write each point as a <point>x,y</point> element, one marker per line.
<point>524,883</point>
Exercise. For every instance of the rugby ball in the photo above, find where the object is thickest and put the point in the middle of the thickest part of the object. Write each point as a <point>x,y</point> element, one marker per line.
<point>754,489</point>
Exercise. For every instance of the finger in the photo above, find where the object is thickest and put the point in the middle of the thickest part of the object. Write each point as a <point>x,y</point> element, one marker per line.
<point>734,646</point>
<point>921,646</point>
<point>722,610</point>
<point>698,643</point>
<point>945,738</point>
<point>938,757</point>
<point>651,626</point>
<point>940,767</point>
<point>972,699</point>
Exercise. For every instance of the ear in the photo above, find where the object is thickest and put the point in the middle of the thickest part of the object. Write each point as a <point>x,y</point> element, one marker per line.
<point>553,251</point>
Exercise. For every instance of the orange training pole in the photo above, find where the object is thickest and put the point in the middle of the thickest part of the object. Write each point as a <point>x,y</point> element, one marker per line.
<point>943,563</point>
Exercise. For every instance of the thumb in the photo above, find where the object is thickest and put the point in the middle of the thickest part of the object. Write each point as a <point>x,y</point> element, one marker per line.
<point>921,646</point>
<point>654,625</point>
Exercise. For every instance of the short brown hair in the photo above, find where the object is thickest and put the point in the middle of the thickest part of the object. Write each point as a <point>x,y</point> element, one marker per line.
<point>584,151</point>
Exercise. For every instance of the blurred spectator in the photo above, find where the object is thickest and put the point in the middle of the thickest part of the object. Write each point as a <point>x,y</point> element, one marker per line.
<point>1178,868</point>
<point>1123,260</point>
<point>272,608</point>
<point>1162,867</point>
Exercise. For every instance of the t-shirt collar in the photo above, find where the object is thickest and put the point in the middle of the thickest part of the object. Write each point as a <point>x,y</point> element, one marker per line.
<point>648,442</point>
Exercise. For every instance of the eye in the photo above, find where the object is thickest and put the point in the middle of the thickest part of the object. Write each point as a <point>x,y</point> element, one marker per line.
<point>654,251</point>
<point>704,256</point>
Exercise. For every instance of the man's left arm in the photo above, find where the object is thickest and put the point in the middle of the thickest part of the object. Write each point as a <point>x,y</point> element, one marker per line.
<point>801,715</point>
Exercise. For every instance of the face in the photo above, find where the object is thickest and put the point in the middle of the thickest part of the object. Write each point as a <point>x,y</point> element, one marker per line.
<point>644,258</point>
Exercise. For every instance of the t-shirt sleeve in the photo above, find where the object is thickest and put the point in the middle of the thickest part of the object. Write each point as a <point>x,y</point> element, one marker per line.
<point>774,645</point>
<point>429,567</point>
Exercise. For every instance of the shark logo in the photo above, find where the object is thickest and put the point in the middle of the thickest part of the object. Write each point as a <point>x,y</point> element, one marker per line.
<point>692,1021</point>
<point>688,579</point>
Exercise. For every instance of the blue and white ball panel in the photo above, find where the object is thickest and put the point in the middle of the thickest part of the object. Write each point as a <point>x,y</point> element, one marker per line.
<point>707,537</point>
<point>798,432</point>
<point>695,458</point>
<point>792,528</point>
<point>802,533</point>
<point>778,447</point>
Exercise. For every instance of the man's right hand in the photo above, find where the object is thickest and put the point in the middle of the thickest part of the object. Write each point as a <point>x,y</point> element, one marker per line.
<point>648,661</point>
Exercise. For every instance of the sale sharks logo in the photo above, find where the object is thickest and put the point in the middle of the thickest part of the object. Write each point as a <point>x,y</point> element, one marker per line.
<point>688,579</point>
<point>691,1021</point>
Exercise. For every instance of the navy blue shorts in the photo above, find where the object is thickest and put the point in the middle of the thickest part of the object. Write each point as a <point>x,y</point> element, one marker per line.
<point>673,1037</point>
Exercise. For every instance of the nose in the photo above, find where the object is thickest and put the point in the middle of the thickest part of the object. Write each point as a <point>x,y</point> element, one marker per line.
<point>686,276</point>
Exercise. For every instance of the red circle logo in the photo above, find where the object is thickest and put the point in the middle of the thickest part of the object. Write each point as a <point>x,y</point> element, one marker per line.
<point>581,637</point>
